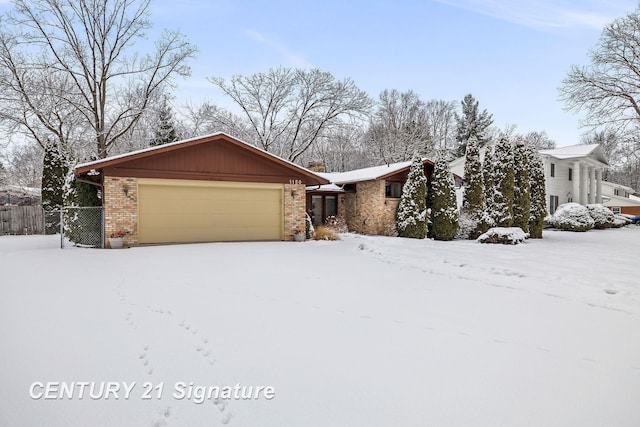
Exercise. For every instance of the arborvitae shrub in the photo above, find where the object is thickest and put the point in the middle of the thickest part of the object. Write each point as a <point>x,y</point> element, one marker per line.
<point>411,216</point>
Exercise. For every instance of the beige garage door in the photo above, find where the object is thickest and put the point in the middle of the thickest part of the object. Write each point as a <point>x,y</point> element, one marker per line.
<point>202,211</point>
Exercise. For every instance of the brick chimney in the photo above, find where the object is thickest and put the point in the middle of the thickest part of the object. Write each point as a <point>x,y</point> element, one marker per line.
<point>316,166</point>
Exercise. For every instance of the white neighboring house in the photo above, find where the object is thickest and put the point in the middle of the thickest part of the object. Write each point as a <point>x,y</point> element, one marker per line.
<point>573,174</point>
<point>620,199</point>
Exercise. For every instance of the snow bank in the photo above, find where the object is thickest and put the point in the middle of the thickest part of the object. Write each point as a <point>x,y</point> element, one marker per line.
<point>572,217</point>
<point>504,235</point>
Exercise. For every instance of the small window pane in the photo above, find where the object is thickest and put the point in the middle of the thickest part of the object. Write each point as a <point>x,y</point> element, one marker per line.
<point>331,206</point>
<point>316,210</point>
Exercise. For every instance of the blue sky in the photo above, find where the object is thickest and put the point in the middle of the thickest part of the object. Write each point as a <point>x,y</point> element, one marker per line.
<point>511,55</point>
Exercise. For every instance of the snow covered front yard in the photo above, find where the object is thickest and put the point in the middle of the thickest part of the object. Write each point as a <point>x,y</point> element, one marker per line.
<point>367,331</point>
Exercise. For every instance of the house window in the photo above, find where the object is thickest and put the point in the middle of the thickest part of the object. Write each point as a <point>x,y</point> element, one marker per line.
<point>392,189</point>
<point>570,174</point>
<point>322,206</point>
<point>616,210</point>
<point>349,188</point>
<point>553,204</point>
<point>626,194</point>
<point>616,192</point>
<point>553,169</point>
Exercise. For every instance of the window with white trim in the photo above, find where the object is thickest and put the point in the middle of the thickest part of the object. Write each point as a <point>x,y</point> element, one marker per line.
<point>553,204</point>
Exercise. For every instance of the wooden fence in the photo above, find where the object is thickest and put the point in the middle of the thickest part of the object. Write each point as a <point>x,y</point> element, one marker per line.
<point>21,220</point>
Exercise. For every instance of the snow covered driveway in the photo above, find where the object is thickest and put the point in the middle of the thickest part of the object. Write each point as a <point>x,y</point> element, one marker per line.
<point>369,331</point>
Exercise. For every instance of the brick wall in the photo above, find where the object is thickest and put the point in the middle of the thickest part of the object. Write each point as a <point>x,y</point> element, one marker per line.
<point>120,201</point>
<point>368,211</point>
<point>294,209</point>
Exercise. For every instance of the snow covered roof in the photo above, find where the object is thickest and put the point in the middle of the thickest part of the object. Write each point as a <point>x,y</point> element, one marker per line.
<point>329,188</point>
<point>612,200</point>
<point>614,185</point>
<point>368,174</point>
<point>576,151</point>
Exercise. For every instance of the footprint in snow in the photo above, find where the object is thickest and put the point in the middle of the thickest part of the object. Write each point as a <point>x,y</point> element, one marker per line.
<point>163,419</point>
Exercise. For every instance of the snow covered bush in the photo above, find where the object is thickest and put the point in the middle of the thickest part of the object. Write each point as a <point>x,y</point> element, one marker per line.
<point>620,221</point>
<point>522,186</point>
<point>337,223</point>
<point>572,217</point>
<point>602,216</point>
<point>473,219</point>
<point>444,211</point>
<point>503,184</point>
<point>504,235</point>
<point>411,216</point>
<point>538,194</point>
<point>308,227</point>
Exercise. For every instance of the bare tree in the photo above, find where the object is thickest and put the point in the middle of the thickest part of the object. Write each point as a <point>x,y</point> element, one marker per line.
<point>23,165</point>
<point>539,140</point>
<point>608,89</point>
<point>441,123</point>
<point>289,110</point>
<point>398,129</point>
<point>208,118</point>
<point>68,69</point>
<point>341,149</point>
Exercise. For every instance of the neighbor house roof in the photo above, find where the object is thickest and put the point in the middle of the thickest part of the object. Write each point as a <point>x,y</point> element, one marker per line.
<point>614,185</point>
<point>85,168</point>
<point>577,151</point>
<point>369,174</point>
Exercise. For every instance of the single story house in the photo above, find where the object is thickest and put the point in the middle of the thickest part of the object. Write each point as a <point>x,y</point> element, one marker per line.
<point>620,199</point>
<point>366,198</point>
<point>205,189</point>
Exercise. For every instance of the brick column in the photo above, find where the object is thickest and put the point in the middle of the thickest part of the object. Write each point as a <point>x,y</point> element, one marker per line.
<point>295,202</point>
<point>120,202</point>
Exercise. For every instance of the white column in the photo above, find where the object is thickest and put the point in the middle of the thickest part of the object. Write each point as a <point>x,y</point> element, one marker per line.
<point>576,182</point>
<point>584,182</point>
<point>592,185</point>
<point>599,185</point>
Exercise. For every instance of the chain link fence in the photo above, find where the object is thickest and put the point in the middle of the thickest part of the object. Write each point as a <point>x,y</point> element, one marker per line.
<point>82,226</point>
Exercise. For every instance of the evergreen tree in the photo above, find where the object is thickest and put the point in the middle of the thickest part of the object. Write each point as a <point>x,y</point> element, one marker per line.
<point>473,207</point>
<point>411,217</point>
<point>503,182</point>
<point>487,179</point>
<point>166,131</point>
<point>522,186</point>
<point>538,195</point>
<point>471,122</point>
<point>55,168</point>
<point>444,214</point>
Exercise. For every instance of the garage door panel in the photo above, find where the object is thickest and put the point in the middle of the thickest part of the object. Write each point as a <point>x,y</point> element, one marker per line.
<point>196,211</point>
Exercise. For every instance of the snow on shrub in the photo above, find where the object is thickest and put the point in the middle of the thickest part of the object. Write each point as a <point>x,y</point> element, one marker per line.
<point>620,221</point>
<point>504,235</point>
<point>602,216</point>
<point>308,227</point>
<point>572,217</point>
<point>337,223</point>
